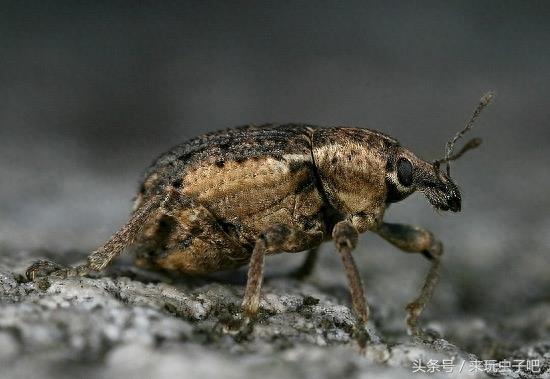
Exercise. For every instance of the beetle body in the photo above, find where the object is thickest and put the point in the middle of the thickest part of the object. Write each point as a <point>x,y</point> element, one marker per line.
<point>243,180</point>
<point>229,198</point>
<point>238,182</point>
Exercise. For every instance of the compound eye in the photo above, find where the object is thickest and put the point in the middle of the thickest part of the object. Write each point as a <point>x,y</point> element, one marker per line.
<point>404,172</point>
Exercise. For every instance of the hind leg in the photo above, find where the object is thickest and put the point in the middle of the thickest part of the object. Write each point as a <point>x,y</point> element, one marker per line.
<point>100,258</point>
<point>124,237</point>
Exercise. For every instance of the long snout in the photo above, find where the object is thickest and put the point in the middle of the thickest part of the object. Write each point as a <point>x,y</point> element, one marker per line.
<point>440,190</point>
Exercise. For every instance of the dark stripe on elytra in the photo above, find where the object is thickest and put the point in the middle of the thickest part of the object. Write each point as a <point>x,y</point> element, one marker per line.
<point>237,144</point>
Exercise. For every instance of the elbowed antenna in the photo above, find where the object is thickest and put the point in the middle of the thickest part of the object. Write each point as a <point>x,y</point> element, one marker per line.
<point>473,143</point>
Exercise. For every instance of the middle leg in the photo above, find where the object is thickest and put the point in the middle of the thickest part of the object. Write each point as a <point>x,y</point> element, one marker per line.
<point>274,239</point>
<point>345,236</point>
<point>306,268</point>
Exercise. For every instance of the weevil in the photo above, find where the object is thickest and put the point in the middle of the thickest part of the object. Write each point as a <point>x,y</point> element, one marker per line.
<point>229,198</point>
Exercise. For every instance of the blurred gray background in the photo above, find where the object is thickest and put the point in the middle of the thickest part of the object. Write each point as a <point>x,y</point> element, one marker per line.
<point>91,93</point>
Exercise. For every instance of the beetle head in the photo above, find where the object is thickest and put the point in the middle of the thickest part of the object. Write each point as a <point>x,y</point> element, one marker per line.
<point>407,173</point>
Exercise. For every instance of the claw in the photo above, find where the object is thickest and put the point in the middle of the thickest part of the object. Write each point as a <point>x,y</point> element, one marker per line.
<point>42,268</point>
<point>239,326</point>
<point>365,335</point>
<point>45,268</point>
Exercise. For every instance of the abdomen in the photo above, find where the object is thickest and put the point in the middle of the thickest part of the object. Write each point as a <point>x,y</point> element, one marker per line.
<point>248,180</point>
<point>249,196</point>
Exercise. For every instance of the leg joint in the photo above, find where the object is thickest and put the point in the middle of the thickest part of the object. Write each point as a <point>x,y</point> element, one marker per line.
<point>434,249</point>
<point>345,235</point>
<point>275,236</point>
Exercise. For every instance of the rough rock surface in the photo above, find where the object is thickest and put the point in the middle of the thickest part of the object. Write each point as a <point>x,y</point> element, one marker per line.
<point>130,323</point>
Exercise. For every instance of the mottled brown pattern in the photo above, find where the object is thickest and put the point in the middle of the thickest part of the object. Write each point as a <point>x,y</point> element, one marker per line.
<point>244,195</point>
<point>226,146</point>
<point>351,163</point>
<point>251,178</point>
<point>311,178</point>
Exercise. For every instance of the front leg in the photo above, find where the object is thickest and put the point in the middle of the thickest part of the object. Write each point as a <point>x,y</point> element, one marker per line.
<point>416,240</point>
<point>345,237</point>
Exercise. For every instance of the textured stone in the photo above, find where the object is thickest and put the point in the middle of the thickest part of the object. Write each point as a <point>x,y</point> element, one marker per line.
<point>131,323</point>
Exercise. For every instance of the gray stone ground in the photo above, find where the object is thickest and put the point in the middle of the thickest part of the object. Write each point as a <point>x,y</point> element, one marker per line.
<point>136,324</point>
